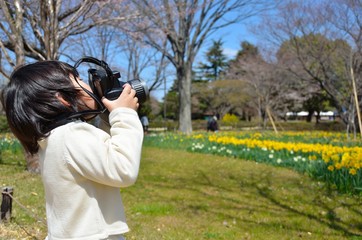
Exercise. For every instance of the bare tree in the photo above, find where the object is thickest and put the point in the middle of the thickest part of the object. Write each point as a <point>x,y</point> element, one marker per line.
<point>12,30</point>
<point>186,25</point>
<point>38,29</point>
<point>261,83</point>
<point>324,42</point>
<point>145,62</point>
<point>99,42</point>
<point>345,17</point>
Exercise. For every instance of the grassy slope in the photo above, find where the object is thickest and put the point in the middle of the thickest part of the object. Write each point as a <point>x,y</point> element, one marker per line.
<point>181,195</point>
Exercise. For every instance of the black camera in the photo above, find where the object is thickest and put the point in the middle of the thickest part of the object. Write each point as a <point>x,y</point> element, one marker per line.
<point>105,83</point>
<point>110,87</point>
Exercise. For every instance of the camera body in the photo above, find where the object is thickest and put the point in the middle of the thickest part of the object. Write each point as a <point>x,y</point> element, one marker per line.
<point>105,83</point>
<point>111,87</point>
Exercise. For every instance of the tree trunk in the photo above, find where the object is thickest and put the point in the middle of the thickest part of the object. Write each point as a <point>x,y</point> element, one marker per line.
<point>310,116</point>
<point>184,86</point>
<point>318,117</point>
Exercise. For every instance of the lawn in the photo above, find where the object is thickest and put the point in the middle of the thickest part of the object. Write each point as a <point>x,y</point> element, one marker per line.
<point>185,195</point>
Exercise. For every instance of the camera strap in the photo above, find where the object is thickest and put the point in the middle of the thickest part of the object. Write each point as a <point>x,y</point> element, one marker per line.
<point>98,62</point>
<point>76,116</point>
<point>61,122</point>
<point>92,95</point>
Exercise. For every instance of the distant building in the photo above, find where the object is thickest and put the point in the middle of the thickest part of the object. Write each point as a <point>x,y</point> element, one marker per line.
<point>302,115</point>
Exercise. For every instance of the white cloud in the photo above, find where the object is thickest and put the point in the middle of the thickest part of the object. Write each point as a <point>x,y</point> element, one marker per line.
<point>230,53</point>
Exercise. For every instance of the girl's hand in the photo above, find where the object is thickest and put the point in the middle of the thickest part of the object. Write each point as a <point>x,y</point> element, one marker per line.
<point>126,99</point>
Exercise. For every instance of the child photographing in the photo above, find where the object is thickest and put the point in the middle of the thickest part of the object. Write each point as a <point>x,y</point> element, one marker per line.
<point>82,166</point>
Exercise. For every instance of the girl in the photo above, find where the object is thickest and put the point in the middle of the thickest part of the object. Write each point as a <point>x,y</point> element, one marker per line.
<point>82,167</point>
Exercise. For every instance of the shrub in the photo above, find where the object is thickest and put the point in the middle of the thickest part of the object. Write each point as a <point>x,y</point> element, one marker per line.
<point>230,119</point>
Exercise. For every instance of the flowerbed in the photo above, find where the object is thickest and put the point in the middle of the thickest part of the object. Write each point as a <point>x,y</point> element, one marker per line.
<point>9,147</point>
<point>325,156</point>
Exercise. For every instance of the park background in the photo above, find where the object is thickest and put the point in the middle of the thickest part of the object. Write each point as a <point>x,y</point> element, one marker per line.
<point>264,68</point>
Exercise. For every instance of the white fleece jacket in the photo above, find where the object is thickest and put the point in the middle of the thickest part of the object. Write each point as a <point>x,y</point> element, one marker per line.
<point>83,169</point>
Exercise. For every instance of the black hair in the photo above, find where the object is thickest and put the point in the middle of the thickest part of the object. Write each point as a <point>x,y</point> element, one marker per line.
<point>30,100</point>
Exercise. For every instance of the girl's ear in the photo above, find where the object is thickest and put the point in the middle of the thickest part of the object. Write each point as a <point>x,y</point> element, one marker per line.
<point>62,100</point>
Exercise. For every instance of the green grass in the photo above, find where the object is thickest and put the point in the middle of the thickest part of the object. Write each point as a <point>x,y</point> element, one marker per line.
<point>183,195</point>
<point>28,212</point>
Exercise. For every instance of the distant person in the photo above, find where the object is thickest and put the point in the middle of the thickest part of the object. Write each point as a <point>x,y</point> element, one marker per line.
<point>145,123</point>
<point>212,124</point>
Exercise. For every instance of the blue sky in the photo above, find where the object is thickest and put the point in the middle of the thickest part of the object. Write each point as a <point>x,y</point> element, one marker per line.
<point>232,36</point>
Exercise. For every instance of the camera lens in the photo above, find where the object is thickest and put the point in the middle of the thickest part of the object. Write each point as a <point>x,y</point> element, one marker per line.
<point>141,89</point>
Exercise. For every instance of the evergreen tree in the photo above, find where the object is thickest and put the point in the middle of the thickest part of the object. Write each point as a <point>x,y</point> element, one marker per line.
<point>247,50</point>
<point>216,62</point>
